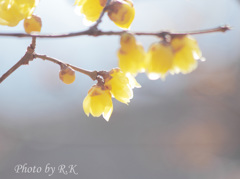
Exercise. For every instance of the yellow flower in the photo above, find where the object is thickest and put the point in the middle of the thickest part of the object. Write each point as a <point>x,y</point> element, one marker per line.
<point>186,53</point>
<point>131,55</point>
<point>13,11</point>
<point>159,60</point>
<point>122,13</point>
<point>91,9</point>
<point>32,24</point>
<point>98,102</point>
<point>120,85</point>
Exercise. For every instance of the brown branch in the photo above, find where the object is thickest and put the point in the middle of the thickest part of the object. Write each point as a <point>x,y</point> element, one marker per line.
<point>223,28</point>
<point>33,44</point>
<point>91,74</point>
<point>28,56</point>
<point>96,32</point>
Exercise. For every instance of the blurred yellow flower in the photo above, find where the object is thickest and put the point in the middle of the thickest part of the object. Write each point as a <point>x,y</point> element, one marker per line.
<point>91,9</point>
<point>121,85</point>
<point>13,11</point>
<point>131,55</point>
<point>159,60</point>
<point>121,12</point>
<point>98,102</point>
<point>186,52</point>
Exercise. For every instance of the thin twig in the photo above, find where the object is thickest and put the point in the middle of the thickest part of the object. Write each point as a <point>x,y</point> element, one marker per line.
<point>102,14</point>
<point>91,74</point>
<point>223,28</point>
<point>90,32</point>
<point>28,56</point>
<point>33,44</point>
<point>23,60</point>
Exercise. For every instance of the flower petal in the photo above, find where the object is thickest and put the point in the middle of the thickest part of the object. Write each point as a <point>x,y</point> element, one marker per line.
<point>86,105</point>
<point>108,112</point>
<point>132,81</point>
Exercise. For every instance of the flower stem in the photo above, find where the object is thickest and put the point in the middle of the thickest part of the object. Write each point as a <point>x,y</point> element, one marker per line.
<point>101,15</point>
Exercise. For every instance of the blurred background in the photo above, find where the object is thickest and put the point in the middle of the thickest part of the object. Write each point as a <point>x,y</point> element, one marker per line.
<point>185,127</point>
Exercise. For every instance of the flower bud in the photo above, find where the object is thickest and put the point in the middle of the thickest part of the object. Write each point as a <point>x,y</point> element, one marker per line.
<point>121,12</point>
<point>32,24</point>
<point>67,74</point>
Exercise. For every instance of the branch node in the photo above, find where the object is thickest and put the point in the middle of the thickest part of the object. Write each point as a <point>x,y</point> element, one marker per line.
<point>104,74</point>
<point>100,81</point>
<point>30,50</point>
<point>163,34</point>
<point>225,28</point>
<point>94,75</point>
<point>93,31</point>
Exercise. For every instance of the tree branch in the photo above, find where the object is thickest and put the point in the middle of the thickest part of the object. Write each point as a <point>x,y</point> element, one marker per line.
<point>97,32</point>
<point>23,61</point>
<point>91,74</point>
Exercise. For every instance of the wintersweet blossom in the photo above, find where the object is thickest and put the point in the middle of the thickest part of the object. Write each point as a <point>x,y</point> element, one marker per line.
<point>98,102</point>
<point>13,11</point>
<point>159,60</point>
<point>91,9</point>
<point>186,52</point>
<point>120,85</point>
<point>131,55</point>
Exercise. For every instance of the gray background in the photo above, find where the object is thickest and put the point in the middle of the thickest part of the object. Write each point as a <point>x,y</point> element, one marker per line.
<point>185,127</point>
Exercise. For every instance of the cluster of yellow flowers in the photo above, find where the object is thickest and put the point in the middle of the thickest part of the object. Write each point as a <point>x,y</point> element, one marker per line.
<point>174,56</point>
<point>121,12</point>
<point>177,56</point>
<point>13,11</point>
<point>115,83</point>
